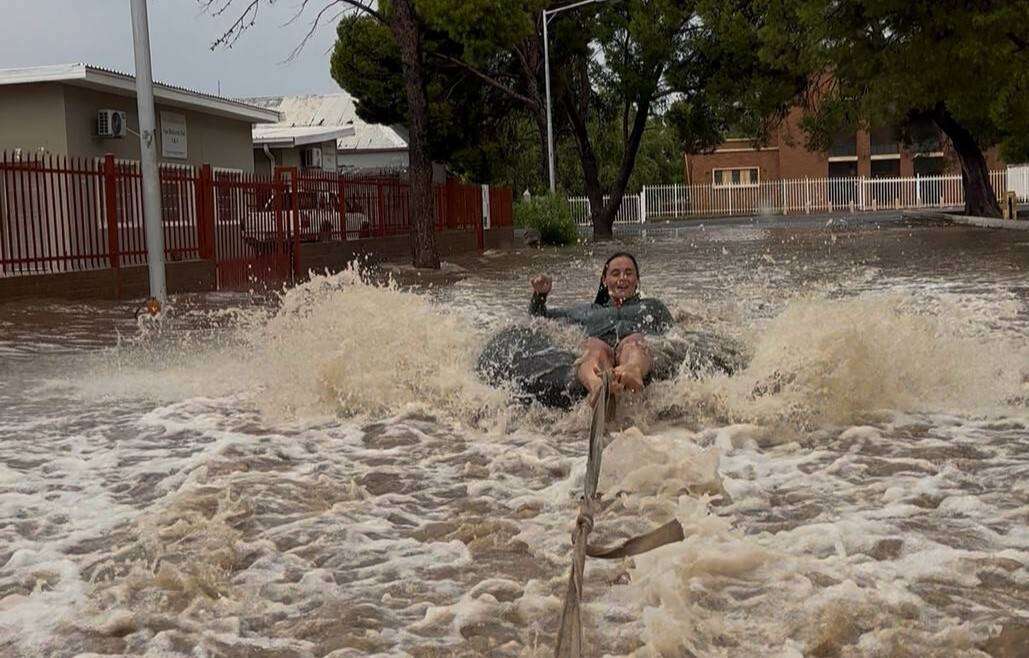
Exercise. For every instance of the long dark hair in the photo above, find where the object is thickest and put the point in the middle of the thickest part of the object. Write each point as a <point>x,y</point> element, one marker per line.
<point>603,296</point>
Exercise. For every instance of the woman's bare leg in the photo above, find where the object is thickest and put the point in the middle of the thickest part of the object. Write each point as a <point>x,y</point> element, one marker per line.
<point>597,357</point>
<point>634,363</point>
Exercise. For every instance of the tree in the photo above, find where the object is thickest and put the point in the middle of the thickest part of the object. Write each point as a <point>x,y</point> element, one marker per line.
<point>960,65</point>
<point>407,28</point>
<point>464,115</point>
<point>645,55</point>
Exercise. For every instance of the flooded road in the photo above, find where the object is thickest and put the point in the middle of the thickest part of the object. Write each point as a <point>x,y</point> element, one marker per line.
<point>326,476</point>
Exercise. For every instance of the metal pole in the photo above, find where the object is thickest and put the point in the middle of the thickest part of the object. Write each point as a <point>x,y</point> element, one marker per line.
<point>148,151</point>
<point>550,120</point>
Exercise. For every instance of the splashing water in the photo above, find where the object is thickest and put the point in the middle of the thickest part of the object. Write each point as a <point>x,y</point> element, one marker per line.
<point>340,345</point>
<point>839,360</point>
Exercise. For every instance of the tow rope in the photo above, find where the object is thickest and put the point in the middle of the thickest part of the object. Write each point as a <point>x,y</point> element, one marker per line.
<point>569,638</point>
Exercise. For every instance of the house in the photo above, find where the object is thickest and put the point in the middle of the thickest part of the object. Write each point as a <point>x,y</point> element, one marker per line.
<point>306,147</point>
<point>876,153</point>
<point>363,147</point>
<point>87,111</point>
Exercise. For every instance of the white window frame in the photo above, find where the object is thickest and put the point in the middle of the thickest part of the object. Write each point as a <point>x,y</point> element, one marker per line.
<point>755,182</point>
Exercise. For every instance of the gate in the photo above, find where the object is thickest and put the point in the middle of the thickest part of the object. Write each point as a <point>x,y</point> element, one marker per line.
<point>256,237</point>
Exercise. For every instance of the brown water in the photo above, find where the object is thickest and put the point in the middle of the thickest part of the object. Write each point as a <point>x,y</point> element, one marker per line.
<point>326,476</point>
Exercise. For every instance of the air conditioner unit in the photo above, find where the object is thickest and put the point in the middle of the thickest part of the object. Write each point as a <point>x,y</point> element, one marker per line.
<point>311,158</point>
<point>110,123</point>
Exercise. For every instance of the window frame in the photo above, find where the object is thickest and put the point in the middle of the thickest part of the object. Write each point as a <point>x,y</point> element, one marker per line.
<point>755,180</point>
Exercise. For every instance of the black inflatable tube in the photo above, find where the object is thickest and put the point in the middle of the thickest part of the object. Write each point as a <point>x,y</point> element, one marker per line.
<point>539,371</point>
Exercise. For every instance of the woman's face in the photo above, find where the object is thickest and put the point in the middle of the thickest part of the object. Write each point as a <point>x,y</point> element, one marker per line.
<point>621,279</point>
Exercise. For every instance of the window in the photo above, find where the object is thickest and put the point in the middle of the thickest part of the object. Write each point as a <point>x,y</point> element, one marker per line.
<point>844,145</point>
<point>884,141</point>
<point>886,168</point>
<point>844,169</point>
<point>929,166</point>
<point>740,177</point>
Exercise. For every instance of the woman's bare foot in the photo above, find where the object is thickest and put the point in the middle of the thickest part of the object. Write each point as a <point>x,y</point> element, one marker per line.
<point>591,379</point>
<point>628,377</point>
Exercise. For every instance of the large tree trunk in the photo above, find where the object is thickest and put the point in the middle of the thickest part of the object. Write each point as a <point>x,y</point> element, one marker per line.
<point>590,169</point>
<point>404,25</point>
<point>980,198</point>
<point>602,215</point>
<point>631,149</point>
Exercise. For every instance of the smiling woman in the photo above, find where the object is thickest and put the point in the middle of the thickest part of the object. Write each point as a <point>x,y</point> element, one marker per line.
<point>615,323</point>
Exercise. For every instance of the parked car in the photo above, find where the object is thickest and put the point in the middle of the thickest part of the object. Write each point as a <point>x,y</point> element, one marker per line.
<point>318,216</point>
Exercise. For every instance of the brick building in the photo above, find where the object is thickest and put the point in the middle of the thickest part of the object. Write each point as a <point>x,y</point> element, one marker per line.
<point>870,154</point>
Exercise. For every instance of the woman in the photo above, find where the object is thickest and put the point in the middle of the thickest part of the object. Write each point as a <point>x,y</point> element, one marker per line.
<point>615,323</point>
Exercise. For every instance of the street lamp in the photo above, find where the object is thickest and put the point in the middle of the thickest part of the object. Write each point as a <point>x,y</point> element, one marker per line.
<point>547,13</point>
<point>148,168</point>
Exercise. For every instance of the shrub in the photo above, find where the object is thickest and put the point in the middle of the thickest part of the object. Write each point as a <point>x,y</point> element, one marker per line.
<point>551,216</point>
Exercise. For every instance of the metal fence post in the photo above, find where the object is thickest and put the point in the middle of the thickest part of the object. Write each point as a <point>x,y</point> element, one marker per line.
<point>381,205</point>
<point>341,207</point>
<point>918,190</point>
<point>785,205</point>
<point>205,213</point>
<point>111,209</point>
<point>294,225</point>
<point>486,199</point>
<point>807,195</point>
<point>643,205</point>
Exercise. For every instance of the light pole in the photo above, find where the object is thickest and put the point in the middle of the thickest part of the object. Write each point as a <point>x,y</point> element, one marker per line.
<point>148,154</point>
<point>547,13</point>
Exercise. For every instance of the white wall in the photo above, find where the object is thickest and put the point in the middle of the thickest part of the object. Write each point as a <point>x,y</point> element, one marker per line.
<point>371,160</point>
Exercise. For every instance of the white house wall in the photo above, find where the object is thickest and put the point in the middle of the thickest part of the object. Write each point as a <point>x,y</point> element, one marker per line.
<point>346,160</point>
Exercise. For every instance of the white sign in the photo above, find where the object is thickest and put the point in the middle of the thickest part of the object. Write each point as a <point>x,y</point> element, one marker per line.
<point>173,135</point>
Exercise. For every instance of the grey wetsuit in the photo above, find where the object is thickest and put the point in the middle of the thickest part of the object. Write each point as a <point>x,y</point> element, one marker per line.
<point>608,322</point>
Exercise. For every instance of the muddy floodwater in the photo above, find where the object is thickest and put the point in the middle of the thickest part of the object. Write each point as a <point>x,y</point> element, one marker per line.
<point>324,474</point>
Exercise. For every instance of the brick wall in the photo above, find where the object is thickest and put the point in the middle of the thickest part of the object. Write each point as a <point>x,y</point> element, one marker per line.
<point>200,276</point>
<point>787,156</point>
<point>125,283</point>
<point>739,155</point>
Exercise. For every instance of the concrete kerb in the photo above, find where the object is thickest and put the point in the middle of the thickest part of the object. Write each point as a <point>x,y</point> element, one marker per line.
<point>824,220</point>
<point>982,222</point>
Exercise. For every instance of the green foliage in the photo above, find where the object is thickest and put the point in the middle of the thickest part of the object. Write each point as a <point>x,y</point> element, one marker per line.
<point>659,159</point>
<point>462,113</point>
<point>550,215</point>
<point>894,62</point>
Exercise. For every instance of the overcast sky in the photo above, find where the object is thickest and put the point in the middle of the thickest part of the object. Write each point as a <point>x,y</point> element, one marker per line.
<point>99,32</point>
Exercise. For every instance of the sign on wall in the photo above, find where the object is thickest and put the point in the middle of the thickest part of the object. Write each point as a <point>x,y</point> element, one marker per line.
<point>173,135</point>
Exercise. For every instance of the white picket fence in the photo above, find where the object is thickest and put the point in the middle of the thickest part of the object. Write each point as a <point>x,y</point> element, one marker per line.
<point>803,195</point>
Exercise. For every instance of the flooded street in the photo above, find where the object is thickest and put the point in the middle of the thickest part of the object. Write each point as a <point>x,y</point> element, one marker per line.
<point>327,476</point>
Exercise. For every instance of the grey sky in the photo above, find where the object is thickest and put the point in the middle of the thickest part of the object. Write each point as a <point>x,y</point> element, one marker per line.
<point>99,32</point>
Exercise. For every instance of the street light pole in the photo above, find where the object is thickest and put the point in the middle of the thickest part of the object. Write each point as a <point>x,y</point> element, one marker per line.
<point>550,120</point>
<point>547,14</point>
<point>148,154</point>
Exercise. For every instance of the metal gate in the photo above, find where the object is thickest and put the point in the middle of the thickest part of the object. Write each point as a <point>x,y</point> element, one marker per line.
<point>256,237</point>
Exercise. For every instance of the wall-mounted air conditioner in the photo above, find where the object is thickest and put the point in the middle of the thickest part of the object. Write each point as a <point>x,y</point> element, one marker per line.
<point>311,158</point>
<point>110,123</point>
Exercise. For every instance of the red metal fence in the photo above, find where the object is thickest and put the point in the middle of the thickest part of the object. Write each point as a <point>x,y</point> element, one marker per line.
<point>60,214</point>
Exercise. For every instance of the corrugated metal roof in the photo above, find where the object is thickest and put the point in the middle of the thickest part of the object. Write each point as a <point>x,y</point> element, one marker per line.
<point>277,133</point>
<point>334,110</point>
<point>98,76</point>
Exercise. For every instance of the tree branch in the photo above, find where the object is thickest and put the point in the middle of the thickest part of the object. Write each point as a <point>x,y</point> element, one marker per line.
<point>496,84</point>
<point>248,17</point>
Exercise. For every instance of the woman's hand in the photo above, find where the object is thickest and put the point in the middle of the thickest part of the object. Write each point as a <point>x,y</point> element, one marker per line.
<point>541,284</point>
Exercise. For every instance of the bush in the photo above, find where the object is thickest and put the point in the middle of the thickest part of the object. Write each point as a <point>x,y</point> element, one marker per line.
<point>551,216</point>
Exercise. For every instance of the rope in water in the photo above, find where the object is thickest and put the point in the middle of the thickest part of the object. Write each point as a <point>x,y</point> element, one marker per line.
<point>569,638</point>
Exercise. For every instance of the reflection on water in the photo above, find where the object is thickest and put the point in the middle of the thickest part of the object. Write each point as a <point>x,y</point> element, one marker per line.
<point>326,476</point>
